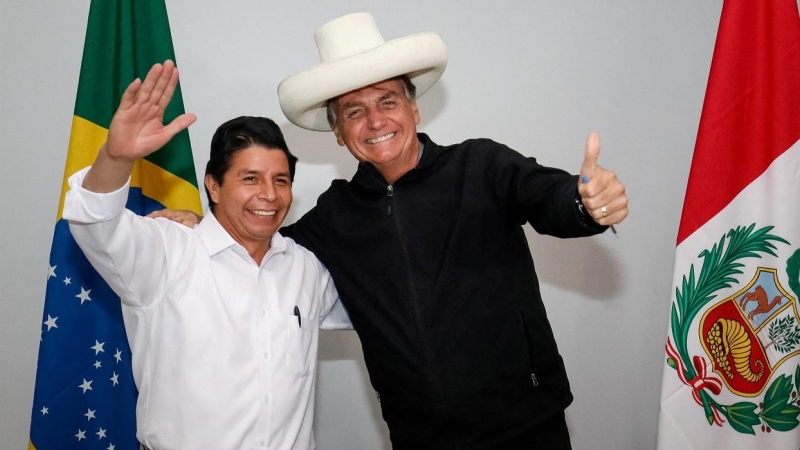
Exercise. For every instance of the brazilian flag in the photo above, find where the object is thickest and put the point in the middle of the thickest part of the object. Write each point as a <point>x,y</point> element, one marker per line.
<point>85,396</point>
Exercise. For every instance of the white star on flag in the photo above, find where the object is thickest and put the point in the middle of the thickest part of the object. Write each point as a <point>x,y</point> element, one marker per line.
<point>97,364</point>
<point>86,385</point>
<point>84,295</point>
<point>51,322</point>
<point>81,434</point>
<point>115,379</point>
<point>98,347</point>
<point>118,355</point>
<point>101,433</point>
<point>51,271</point>
<point>110,447</point>
<point>90,414</point>
<point>67,280</point>
<point>44,410</point>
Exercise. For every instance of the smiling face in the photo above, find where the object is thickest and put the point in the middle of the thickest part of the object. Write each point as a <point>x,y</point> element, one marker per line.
<point>253,197</point>
<point>378,124</point>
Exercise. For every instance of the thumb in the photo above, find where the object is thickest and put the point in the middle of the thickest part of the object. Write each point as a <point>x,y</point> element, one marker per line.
<point>180,123</point>
<point>590,156</point>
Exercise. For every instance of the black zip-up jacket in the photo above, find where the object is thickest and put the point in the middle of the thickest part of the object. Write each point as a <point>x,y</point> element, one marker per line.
<point>436,274</point>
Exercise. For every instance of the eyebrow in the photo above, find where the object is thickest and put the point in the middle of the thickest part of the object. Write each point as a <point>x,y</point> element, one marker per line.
<point>354,104</point>
<point>256,172</point>
<point>350,105</point>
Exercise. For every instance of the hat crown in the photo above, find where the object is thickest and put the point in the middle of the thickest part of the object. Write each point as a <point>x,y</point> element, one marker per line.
<point>347,36</point>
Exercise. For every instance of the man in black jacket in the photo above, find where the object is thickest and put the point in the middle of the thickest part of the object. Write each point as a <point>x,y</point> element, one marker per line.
<point>426,247</point>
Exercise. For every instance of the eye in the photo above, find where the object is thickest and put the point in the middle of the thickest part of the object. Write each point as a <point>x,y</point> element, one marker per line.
<point>282,181</point>
<point>354,113</point>
<point>389,103</point>
<point>249,178</point>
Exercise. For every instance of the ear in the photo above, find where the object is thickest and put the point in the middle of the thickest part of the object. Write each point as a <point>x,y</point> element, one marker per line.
<point>416,111</point>
<point>213,188</point>
<point>338,135</point>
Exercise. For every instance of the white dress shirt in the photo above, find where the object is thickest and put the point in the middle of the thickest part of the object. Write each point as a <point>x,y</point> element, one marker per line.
<point>220,359</point>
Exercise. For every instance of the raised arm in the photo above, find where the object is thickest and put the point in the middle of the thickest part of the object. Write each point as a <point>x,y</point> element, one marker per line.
<point>137,128</point>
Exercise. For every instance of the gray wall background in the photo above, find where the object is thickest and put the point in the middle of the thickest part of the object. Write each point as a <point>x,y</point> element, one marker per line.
<point>538,76</point>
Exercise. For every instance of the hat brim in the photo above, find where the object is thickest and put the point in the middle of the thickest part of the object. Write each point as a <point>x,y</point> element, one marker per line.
<point>303,96</point>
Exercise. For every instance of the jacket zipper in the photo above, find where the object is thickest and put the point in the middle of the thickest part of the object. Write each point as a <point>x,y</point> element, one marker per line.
<point>416,300</point>
<point>389,195</point>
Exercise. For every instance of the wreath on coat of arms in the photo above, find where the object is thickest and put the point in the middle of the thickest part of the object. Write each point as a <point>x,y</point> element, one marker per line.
<point>746,336</point>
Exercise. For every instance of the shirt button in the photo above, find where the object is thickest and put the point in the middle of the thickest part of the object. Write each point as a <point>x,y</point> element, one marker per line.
<point>266,399</point>
<point>263,312</point>
<point>266,355</point>
<point>262,443</point>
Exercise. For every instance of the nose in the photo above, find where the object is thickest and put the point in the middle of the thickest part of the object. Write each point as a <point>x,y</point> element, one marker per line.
<point>375,118</point>
<point>267,191</point>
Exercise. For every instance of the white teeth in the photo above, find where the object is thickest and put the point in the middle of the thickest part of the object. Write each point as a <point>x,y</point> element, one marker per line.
<point>259,212</point>
<point>380,139</point>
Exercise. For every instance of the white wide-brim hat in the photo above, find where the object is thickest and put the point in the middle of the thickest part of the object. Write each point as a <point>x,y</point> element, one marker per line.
<point>353,55</point>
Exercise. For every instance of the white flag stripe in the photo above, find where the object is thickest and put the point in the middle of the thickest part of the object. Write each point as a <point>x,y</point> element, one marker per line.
<point>773,199</point>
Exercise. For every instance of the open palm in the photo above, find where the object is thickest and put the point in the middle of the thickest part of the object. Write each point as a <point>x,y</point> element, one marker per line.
<point>137,128</point>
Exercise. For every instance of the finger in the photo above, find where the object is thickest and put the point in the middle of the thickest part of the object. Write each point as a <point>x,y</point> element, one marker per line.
<point>604,187</point>
<point>130,92</point>
<point>159,213</point>
<point>169,90</point>
<point>590,155</point>
<point>610,210</point>
<point>179,124</point>
<point>161,83</point>
<point>613,217</point>
<point>148,84</point>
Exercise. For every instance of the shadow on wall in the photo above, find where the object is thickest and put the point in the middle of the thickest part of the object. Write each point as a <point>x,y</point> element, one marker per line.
<point>585,266</point>
<point>318,148</point>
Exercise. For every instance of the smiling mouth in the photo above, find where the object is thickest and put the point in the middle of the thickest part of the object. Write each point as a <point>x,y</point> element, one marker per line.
<point>261,212</point>
<point>380,138</point>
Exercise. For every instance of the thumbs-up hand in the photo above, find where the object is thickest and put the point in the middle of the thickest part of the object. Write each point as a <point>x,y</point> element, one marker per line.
<point>602,194</point>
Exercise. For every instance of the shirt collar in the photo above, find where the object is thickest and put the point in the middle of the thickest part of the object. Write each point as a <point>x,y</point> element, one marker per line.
<point>217,239</point>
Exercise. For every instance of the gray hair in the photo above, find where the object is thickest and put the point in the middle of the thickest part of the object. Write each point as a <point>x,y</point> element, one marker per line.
<point>408,86</point>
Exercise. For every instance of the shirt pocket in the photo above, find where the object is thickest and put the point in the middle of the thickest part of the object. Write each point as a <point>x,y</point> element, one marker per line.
<point>300,350</point>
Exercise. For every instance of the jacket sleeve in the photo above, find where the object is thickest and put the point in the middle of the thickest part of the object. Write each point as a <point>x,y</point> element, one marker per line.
<point>127,250</point>
<point>333,315</point>
<point>545,197</point>
<point>310,229</point>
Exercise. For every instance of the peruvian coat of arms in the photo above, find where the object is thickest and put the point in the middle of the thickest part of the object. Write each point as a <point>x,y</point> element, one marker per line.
<point>745,336</point>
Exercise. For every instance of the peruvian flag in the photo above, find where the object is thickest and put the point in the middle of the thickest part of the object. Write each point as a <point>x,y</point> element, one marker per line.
<point>732,357</point>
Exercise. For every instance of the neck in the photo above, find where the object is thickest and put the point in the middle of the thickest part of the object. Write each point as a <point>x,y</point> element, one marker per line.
<point>256,248</point>
<point>394,170</point>
<point>257,253</point>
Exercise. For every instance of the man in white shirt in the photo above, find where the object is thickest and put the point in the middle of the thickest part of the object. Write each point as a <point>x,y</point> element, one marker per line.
<point>222,319</point>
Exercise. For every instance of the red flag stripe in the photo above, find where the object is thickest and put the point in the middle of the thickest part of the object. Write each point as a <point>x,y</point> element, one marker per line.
<point>744,126</point>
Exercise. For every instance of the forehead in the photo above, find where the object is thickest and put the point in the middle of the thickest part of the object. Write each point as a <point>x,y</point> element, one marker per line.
<point>373,91</point>
<point>258,158</point>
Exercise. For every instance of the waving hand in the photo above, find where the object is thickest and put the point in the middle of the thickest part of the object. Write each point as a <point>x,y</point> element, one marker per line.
<point>137,128</point>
